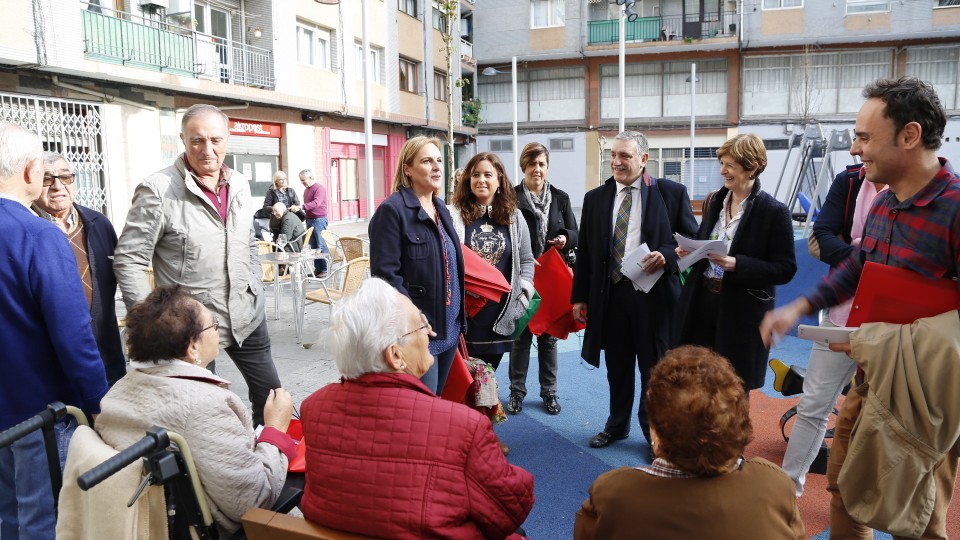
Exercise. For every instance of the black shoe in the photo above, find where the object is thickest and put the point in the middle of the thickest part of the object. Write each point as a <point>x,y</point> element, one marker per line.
<point>515,403</point>
<point>604,439</point>
<point>550,402</point>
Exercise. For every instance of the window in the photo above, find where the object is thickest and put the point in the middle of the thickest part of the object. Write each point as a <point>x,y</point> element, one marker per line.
<point>546,13</point>
<point>561,145</point>
<point>947,3</point>
<point>376,63</point>
<point>439,86</point>
<point>501,145</point>
<point>408,76</point>
<point>780,4</point>
<point>313,45</point>
<point>808,85</point>
<point>867,6</point>
<point>408,6</point>
<point>940,66</point>
<point>542,94</point>
<point>662,89</point>
<point>439,17</point>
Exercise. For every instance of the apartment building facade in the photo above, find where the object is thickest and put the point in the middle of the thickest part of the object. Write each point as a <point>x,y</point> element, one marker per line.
<point>106,83</point>
<point>762,66</point>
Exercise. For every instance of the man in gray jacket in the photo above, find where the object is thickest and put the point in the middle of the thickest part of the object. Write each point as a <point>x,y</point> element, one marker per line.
<point>191,222</point>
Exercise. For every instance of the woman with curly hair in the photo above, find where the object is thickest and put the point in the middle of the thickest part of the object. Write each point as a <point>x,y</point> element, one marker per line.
<point>699,485</point>
<point>486,217</point>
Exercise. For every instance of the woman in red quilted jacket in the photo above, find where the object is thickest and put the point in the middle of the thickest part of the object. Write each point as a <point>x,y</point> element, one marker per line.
<point>385,456</point>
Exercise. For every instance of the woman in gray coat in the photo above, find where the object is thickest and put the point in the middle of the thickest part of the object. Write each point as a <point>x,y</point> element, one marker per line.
<point>485,216</point>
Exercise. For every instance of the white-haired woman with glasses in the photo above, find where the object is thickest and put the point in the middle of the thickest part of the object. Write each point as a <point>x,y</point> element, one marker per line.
<point>171,339</point>
<point>385,456</point>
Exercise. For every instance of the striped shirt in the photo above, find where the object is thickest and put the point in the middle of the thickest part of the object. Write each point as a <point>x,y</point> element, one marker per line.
<point>921,234</point>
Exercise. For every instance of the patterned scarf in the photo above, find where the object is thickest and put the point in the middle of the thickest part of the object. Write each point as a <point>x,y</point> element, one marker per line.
<point>541,206</point>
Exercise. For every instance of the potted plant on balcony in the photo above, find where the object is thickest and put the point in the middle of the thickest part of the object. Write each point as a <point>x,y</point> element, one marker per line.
<point>184,20</point>
<point>471,111</point>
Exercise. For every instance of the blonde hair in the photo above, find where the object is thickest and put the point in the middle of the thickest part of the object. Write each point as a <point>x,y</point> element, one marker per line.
<point>407,154</point>
<point>747,150</point>
<point>279,175</point>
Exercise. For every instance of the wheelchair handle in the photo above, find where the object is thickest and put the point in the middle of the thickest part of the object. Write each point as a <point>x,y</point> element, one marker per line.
<point>54,412</point>
<point>155,440</point>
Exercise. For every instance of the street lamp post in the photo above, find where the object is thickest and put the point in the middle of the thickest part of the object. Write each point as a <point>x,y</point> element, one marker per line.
<point>692,79</point>
<point>513,85</point>
<point>626,13</point>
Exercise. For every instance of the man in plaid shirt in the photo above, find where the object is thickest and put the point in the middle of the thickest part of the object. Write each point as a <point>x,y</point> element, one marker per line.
<point>915,225</point>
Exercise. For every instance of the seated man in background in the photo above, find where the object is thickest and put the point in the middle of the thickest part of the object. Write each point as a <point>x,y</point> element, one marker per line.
<point>699,485</point>
<point>289,224</point>
<point>385,456</point>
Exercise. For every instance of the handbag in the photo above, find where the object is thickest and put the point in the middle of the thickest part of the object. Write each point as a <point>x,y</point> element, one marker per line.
<point>524,319</point>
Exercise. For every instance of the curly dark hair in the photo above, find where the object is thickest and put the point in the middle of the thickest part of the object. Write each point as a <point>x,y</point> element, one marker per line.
<point>163,325</point>
<point>504,201</point>
<point>699,411</point>
<point>909,99</point>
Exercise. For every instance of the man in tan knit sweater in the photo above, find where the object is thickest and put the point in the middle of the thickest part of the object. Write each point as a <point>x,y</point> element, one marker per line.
<point>93,240</point>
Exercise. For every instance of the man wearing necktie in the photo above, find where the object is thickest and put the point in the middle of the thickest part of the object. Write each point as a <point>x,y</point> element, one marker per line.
<point>630,326</point>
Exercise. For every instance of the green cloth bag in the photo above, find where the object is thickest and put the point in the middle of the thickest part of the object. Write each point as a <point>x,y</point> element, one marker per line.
<point>524,319</point>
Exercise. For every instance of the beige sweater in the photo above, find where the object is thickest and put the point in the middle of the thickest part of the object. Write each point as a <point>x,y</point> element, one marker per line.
<point>236,472</point>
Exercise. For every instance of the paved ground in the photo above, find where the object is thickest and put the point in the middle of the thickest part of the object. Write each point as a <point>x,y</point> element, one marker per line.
<point>302,371</point>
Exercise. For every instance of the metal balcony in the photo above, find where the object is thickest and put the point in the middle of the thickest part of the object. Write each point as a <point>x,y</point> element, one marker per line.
<point>130,40</point>
<point>666,28</point>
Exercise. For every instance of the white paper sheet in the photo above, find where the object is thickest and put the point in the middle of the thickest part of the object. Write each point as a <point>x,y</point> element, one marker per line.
<point>632,267</point>
<point>699,249</point>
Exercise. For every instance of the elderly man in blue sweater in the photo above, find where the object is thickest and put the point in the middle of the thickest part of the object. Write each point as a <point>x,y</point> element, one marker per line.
<point>50,353</point>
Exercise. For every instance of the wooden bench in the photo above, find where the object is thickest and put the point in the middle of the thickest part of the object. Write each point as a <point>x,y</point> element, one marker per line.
<point>262,524</point>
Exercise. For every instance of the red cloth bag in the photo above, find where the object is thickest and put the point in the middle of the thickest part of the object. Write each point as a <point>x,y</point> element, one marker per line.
<point>554,279</point>
<point>459,380</point>
<point>295,431</point>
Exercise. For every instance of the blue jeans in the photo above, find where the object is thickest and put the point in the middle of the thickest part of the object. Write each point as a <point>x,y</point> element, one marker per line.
<point>26,496</point>
<point>316,242</point>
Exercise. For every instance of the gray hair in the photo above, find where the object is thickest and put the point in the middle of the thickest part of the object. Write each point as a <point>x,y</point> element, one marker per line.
<point>306,173</point>
<point>201,109</point>
<point>281,207</point>
<point>363,325</point>
<point>18,147</point>
<point>643,146</point>
<point>49,158</point>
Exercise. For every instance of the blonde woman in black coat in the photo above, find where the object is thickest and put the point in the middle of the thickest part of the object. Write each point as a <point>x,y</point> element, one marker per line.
<point>725,297</point>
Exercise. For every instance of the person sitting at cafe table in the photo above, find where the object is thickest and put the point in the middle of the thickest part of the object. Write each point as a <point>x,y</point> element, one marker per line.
<point>285,222</point>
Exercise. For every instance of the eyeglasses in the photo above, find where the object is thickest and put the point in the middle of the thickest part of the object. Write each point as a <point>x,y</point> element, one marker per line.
<point>215,325</point>
<point>426,324</point>
<point>65,179</point>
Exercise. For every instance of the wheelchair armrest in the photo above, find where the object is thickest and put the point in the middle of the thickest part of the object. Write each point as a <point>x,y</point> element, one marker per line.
<point>289,497</point>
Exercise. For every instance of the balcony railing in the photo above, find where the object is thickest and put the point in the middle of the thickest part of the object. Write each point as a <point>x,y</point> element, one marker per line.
<point>666,28</point>
<point>124,38</point>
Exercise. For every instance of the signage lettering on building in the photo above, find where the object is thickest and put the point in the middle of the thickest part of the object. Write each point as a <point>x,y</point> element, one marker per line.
<point>255,129</point>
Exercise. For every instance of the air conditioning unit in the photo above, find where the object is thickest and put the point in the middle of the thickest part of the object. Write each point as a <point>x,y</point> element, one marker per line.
<point>155,3</point>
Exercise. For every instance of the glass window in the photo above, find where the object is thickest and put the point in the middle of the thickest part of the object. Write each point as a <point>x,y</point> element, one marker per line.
<point>867,6</point>
<point>408,6</point>
<point>940,66</point>
<point>313,45</point>
<point>780,4</point>
<point>546,13</point>
<point>439,18</point>
<point>947,3</point>
<point>408,75</point>
<point>376,63</point>
<point>501,145</point>
<point>439,86</point>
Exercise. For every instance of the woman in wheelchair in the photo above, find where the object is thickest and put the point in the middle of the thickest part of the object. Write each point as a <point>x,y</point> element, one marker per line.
<point>171,339</point>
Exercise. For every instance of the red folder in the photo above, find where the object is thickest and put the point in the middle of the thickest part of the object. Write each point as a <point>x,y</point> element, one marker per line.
<point>554,280</point>
<point>900,296</point>
<point>482,282</point>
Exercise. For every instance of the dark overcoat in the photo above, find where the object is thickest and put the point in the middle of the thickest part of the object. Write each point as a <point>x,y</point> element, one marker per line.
<point>560,216</point>
<point>764,249</point>
<point>591,276</point>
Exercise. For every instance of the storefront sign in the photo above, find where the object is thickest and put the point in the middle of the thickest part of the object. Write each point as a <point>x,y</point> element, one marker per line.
<point>255,129</point>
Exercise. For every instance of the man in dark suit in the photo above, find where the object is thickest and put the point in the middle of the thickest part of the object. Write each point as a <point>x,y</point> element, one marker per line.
<point>93,240</point>
<point>631,326</point>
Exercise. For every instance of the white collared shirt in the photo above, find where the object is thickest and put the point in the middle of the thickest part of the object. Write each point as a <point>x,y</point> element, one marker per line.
<point>633,227</point>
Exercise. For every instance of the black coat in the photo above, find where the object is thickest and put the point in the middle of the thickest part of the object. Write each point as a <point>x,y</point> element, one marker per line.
<point>591,276</point>
<point>833,225</point>
<point>678,205</point>
<point>101,241</point>
<point>764,249</point>
<point>406,251</point>
<point>560,216</point>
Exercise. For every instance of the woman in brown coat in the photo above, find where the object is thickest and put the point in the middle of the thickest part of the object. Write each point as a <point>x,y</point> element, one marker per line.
<point>700,485</point>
